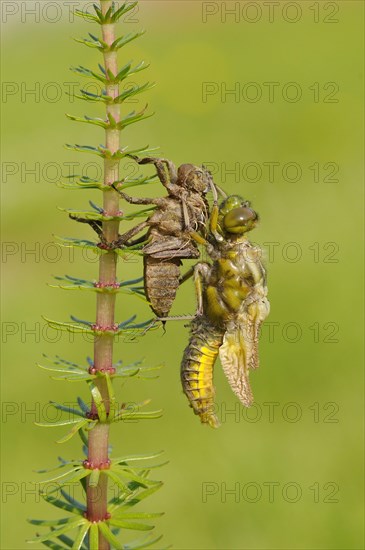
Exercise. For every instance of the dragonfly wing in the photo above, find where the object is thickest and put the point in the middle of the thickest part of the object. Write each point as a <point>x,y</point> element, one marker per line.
<point>239,351</point>
<point>250,323</point>
<point>171,247</point>
<point>233,355</point>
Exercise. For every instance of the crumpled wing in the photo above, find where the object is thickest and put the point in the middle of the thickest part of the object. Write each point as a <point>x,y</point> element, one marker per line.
<point>239,352</point>
<point>233,356</point>
<point>251,322</point>
<point>171,247</point>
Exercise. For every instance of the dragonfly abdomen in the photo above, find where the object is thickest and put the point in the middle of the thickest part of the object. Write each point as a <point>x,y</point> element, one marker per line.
<point>161,283</point>
<point>197,370</point>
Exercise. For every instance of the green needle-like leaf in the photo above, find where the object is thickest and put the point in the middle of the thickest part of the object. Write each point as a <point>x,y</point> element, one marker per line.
<point>138,544</point>
<point>64,475</point>
<point>74,430</point>
<point>99,403</point>
<point>68,541</point>
<point>76,329</point>
<point>125,8</point>
<point>94,478</point>
<point>83,529</point>
<point>123,40</point>
<point>136,458</point>
<point>83,437</point>
<point>62,504</point>
<point>124,71</point>
<point>87,16</point>
<point>62,465</point>
<point>67,409</point>
<point>128,473</point>
<point>73,501</point>
<point>94,536</point>
<point>68,477</point>
<point>113,407</point>
<point>83,406</point>
<point>133,91</point>
<point>132,501</point>
<point>104,529</point>
<point>89,120</point>
<point>50,522</point>
<point>57,532</point>
<point>138,515</point>
<point>71,371</point>
<point>126,415</point>
<point>130,525</point>
<point>88,73</point>
<point>56,424</point>
<point>118,481</point>
<point>54,545</point>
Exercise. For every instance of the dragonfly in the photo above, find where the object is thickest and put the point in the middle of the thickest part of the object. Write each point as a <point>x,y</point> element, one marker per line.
<point>182,212</point>
<point>232,305</point>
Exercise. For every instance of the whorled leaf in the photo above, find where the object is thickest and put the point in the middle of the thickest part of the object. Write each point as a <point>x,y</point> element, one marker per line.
<point>124,40</point>
<point>110,537</point>
<point>107,78</point>
<point>145,542</point>
<point>99,402</point>
<point>69,498</point>
<point>133,91</point>
<point>105,153</point>
<point>150,415</point>
<point>78,183</point>
<point>125,524</point>
<point>94,537</point>
<point>80,537</point>
<point>92,215</point>
<point>69,242</point>
<point>63,505</point>
<point>76,522</point>
<point>74,475</point>
<point>68,327</point>
<point>71,411</point>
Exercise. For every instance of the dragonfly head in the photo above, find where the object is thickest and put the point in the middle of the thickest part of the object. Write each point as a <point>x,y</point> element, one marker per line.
<point>194,178</point>
<point>236,216</point>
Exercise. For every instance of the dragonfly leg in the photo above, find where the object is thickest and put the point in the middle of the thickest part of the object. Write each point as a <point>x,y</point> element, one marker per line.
<point>187,275</point>
<point>163,320</point>
<point>133,200</point>
<point>96,225</point>
<point>140,240</point>
<point>185,213</point>
<point>201,274</point>
<point>171,169</point>
<point>123,239</point>
<point>200,240</point>
<point>160,169</point>
<point>213,222</point>
<point>220,191</point>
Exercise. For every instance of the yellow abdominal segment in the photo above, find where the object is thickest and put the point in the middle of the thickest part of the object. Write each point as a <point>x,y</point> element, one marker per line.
<point>197,371</point>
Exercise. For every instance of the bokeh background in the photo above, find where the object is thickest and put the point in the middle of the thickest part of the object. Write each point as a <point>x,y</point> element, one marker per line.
<point>287,473</point>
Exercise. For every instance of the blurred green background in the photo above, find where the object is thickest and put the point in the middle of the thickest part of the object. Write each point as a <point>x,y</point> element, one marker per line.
<point>295,459</point>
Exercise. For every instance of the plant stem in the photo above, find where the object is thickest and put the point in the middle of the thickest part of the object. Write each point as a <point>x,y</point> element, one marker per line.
<point>105,307</point>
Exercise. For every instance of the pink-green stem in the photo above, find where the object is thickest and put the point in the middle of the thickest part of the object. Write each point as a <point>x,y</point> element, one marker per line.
<point>105,307</point>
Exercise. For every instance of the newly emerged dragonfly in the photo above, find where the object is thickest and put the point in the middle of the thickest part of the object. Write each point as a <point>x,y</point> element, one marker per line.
<point>184,210</point>
<point>232,304</point>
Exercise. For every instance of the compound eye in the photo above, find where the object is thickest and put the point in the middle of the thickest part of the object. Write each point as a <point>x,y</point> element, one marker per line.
<point>239,220</point>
